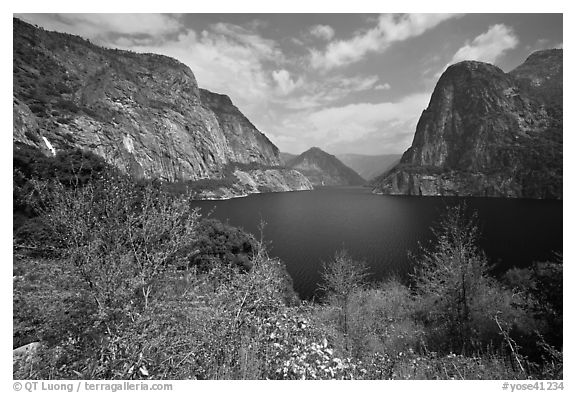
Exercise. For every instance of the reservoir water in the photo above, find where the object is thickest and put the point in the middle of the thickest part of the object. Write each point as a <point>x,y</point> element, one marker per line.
<point>306,228</point>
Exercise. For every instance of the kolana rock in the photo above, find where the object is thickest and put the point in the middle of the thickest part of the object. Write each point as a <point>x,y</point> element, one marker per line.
<point>487,133</point>
<point>323,169</point>
<point>143,113</point>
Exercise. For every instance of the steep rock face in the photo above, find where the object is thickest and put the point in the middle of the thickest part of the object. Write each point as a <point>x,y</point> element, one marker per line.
<point>487,133</point>
<point>143,113</point>
<point>246,142</point>
<point>323,169</point>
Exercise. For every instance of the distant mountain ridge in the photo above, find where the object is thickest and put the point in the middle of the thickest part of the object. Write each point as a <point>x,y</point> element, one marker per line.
<point>323,169</point>
<point>286,157</point>
<point>370,166</point>
<point>142,113</point>
<point>488,133</point>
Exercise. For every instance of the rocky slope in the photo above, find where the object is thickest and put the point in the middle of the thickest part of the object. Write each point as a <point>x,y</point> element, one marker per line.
<point>143,113</point>
<point>487,133</point>
<point>324,169</point>
<point>257,181</point>
<point>369,166</point>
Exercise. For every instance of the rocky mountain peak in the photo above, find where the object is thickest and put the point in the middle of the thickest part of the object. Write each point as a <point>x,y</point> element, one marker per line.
<point>488,133</point>
<point>543,64</point>
<point>220,102</point>
<point>324,169</point>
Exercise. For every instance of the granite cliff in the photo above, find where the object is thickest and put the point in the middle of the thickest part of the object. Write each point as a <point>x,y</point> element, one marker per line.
<point>143,113</point>
<point>487,133</point>
<point>323,169</point>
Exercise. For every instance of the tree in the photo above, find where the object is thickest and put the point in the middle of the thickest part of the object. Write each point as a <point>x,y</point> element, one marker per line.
<point>341,278</point>
<point>458,298</point>
<point>118,237</point>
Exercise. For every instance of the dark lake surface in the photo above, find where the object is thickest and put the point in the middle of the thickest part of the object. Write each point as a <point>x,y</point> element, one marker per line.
<point>306,228</point>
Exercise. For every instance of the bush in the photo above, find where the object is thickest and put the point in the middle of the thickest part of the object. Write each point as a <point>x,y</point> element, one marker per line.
<point>118,237</point>
<point>381,321</point>
<point>221,243</point>
<point>341,278</point>
<point>73,168</point>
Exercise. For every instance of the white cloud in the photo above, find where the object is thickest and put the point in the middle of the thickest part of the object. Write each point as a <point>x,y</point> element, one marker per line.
<point>227,59</point>
<point>263,47</point>
<point>392,124</point>
<point>341,53</point>
<point>383,86</point>
<point>285,83</point>
<point>401,27</point>
<point>324,32</point>
<point>316,93</point>
<point>390,28</point>
<point>488,46</point>
<point>99,27</point>
<point>352,121</point>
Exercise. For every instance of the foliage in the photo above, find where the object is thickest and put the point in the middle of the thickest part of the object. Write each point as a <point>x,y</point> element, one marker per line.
<point>221,243</point>
<point>541,287</point>
<point>341,278</point>
<point>458,300</point>
<point>381,321</point>
<point>73,168</point>
<point>118,238</point>
<point>110,303</point>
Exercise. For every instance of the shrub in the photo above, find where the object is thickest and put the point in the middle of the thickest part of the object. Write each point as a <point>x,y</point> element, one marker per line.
<point>221,243</point>
<point>118,238</point>
<point>381,321</point>
<point>341,278</point>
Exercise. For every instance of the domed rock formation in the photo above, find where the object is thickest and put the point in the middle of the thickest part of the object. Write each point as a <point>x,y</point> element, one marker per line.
<point>487,133</point>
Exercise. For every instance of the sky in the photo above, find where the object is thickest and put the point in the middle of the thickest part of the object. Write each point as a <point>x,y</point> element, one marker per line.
<point>347,83</point>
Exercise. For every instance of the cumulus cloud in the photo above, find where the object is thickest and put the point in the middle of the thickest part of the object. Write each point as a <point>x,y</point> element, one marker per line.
<point>324,32</point>
<point>373,128</point>
<point>328,90</point>
<point>351,121</point>
<point>231,60</point>
<point>284,81</point>
<point>488,46</point>
<point>389,29</point>
<point>383,86</point>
